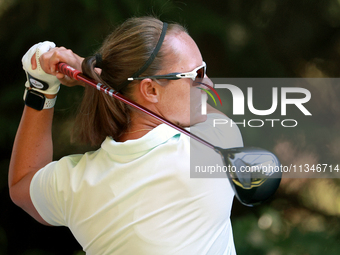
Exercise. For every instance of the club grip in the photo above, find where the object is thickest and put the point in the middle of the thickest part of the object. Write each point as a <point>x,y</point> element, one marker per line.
<point>68,70</point>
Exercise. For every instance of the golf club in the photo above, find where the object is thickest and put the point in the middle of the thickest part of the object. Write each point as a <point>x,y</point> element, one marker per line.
<point>255,174</point>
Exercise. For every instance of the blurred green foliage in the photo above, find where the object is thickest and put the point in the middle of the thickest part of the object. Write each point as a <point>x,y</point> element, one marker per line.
<point>237,38</point>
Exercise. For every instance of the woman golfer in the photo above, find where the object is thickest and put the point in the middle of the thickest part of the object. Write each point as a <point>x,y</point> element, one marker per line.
<point>134,195</point>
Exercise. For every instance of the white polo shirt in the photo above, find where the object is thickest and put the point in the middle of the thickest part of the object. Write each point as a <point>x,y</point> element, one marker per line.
<point>137,197</point>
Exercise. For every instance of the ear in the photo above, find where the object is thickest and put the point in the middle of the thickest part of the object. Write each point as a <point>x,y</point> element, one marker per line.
<point>150,90</point>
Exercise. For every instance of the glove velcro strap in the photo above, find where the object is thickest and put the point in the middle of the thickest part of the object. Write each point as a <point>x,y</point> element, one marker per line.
<point>36,83</point>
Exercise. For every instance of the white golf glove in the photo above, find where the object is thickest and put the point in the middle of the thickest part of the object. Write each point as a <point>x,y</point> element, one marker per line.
<point>37,79</point>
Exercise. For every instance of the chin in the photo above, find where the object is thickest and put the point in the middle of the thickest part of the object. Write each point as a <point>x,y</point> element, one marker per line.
<point>198,119</point>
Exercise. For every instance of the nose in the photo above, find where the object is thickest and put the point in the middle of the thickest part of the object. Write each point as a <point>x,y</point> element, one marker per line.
<point>206,83</point>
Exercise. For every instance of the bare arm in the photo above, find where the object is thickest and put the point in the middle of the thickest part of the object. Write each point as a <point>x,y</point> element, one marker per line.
<point>33,148</point>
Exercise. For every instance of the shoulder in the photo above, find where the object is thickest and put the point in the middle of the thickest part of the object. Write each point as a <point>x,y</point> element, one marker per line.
<point>53,185</point>
<point>59,173</point>
<point>219,130</point>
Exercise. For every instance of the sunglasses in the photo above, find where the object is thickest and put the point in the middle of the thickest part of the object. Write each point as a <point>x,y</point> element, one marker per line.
<point>198,72</point>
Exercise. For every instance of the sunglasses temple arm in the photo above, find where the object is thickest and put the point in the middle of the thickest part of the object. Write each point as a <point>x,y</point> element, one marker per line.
<point>171,76</point>
<point>77,75</point>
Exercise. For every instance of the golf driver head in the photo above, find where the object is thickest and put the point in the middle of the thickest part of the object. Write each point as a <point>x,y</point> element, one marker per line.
<point>254,173</point>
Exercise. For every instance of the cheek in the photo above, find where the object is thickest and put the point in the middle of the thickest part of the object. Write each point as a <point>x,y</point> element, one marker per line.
<point>196,95</point>
<point>181,104</point>
<point>188,107</point>
<point>178,105</point>
<point>196,106</point>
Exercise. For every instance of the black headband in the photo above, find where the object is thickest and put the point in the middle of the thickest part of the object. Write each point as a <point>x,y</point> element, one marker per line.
<point>150,60</point>
<point>99,60</point>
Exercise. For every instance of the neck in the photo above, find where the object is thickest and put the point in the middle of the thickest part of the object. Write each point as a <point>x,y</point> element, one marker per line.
<point>140,125</point>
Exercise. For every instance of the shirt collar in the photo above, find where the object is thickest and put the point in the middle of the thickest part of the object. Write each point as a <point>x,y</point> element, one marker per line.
<point>155,137</point>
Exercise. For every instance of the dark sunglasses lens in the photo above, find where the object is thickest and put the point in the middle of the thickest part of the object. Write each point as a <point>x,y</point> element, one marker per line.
<point>200,73</point>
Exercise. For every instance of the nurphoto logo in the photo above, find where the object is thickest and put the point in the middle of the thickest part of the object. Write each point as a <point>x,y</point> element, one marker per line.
<point>238,106</point>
